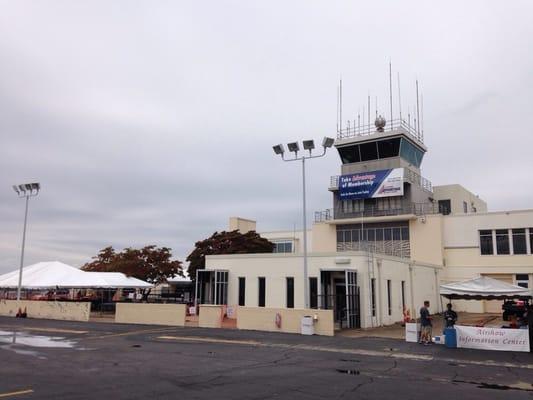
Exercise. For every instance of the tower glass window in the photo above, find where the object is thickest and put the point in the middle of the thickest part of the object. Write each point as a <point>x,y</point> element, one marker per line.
<point>349,154</point>
<point>389,148</point>
<point>369,151</point>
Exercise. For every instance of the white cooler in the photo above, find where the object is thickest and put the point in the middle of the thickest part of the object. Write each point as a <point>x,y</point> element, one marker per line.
<point>308,327</point>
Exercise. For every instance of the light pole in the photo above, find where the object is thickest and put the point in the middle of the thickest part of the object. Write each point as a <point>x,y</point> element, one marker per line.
<point>294,147</point>
<point>26,191</point>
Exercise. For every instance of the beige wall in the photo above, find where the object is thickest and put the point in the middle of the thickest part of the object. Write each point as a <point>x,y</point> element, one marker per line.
<point>241,224</point>
<point>457,194</point>
<point>210,316</point>
<point>296,237</point>
<point>264,319</point>
<point>61,310</point>
<point>324,238</point>
<point>151,314</point>
<point>426,239</point>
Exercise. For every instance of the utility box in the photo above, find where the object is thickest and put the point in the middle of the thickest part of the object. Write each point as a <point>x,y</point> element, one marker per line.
<point>308,327</point>
<point>412,332</point>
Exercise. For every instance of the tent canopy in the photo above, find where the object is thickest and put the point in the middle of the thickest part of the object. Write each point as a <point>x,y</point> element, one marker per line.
<point>483,287</point>
<point>55,274</point>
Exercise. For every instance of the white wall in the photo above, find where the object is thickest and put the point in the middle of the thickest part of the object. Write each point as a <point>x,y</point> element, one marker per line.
<point>276,267</point>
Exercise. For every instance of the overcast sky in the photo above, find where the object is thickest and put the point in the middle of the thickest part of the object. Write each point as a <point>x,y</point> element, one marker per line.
<point>151,122</point>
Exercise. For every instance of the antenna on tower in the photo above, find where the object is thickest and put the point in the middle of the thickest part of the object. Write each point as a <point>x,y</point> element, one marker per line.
<point>340,108</point>
<point>337,119</point>
<point>376,106</point>
<point>422,114</point>
<point>417,111</point>
<point>399,99</point>
<point>369,114</point>
<point>390,90</point>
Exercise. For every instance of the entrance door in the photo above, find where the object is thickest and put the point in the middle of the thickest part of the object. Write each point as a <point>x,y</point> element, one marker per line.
<point>353,318</point>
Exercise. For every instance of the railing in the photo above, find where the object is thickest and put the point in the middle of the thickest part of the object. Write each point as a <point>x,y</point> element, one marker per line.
<point>410,176</point>
<point>407,208</point>
<point>354,130</point>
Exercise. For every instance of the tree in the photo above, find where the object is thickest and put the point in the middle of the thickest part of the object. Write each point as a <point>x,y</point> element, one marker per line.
<point>232,242</point>
<point>151,264</point>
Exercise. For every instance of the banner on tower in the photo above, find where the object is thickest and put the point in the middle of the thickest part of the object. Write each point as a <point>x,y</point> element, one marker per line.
<point>372,184</point>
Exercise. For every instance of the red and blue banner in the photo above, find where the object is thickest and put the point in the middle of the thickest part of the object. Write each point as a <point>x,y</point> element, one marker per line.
<point>372,184</point>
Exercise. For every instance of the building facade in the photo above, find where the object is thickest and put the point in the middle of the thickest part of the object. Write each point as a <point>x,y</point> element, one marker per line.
<point>390,239</point>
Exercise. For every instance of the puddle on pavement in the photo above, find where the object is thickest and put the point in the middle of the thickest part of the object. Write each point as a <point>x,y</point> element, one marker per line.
<point>524,386</point>
<point>25,339</point>
<point>348,371</point>
<point>350,360</point>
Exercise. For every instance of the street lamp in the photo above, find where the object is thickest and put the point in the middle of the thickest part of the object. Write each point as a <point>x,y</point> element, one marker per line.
<point>25,190</point>
<point>294,147</point>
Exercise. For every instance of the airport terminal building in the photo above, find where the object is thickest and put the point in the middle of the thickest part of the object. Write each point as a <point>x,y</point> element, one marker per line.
<point>388,242</point>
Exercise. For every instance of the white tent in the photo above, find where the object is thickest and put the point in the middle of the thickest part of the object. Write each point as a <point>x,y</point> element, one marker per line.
<point>54,274</point>
<point>482,287</point>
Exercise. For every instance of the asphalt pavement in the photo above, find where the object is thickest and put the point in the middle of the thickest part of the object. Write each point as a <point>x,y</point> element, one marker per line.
<point>42,359</point>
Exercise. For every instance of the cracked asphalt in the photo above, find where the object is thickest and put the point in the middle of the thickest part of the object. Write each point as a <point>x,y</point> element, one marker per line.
<point>42,359</point>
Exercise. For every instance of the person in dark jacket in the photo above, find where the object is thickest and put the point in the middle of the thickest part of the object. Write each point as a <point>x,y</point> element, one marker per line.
<point>450,316</point>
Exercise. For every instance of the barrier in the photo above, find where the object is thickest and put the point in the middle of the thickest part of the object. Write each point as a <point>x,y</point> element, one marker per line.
<point>210,316</point>
<point>289,320</point>
<point>60,310</point>
<point>151,314</point>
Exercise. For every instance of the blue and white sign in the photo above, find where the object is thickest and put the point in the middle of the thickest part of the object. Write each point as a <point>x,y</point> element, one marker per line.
<point>372,184</point>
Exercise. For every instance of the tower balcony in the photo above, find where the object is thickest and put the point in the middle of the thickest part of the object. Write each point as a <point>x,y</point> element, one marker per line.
<point>405,210</point>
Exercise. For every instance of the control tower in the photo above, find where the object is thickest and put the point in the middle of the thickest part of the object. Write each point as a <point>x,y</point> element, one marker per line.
<point>380,188</point>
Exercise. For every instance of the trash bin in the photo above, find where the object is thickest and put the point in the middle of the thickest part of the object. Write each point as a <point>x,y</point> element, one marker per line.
<point>450,338</point>
<point>308,327</point>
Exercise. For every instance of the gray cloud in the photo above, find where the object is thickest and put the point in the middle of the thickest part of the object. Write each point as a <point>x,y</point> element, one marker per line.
<point>152,122</point>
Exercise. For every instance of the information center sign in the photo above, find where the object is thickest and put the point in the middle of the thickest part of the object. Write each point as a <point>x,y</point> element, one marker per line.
<point>372,184</point>
<point>492,338</point>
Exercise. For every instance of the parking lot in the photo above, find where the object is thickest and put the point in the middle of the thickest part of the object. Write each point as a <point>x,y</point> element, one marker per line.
<point>42,359</point>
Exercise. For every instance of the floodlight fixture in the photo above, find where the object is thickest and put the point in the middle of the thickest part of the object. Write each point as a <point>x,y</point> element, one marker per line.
<point>25,191</point>
<point>309,144</point>
<point>327,142</point>
<point>294,147</point>
<point>278,149</point>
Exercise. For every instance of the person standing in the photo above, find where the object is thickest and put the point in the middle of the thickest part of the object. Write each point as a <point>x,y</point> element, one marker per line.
<point>425,322</point>
<point>450,316</point>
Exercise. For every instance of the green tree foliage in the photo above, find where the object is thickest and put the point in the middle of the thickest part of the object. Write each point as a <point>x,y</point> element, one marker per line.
<point>151,263</point>
<point>232,242</point>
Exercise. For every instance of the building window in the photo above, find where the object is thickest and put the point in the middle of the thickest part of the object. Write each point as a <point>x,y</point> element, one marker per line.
<point>519,241</point>
<point>313,292</point>
<point>445,207</point>
<point>262,292</point>
<point>242,291</point>
<point>290,292</point>
<point>485,242</point>
<point>389,297</point>
<point>465,207</point>
<point>373,295</point>
<point>283,247</point>
<point>502,241</point>
<point>403,295</point>
<point>531,240</point>
<point>522,280</point>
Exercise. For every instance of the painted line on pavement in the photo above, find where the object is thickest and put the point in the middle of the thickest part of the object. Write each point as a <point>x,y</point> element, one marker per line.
<point>17,393</point>
<point>361,352</point>
<point>131,333</point>
<point>37,329</point>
